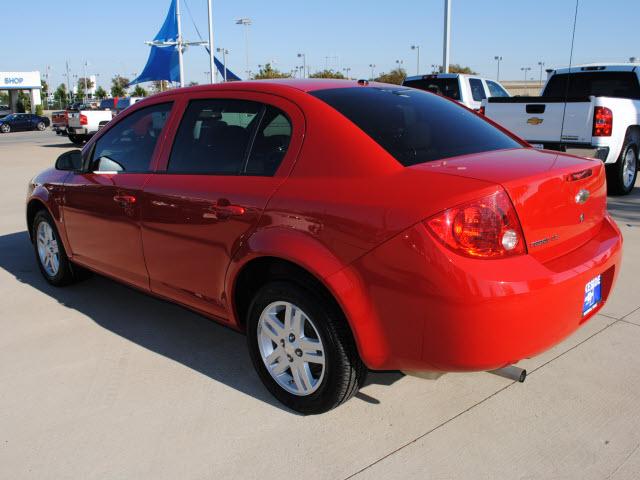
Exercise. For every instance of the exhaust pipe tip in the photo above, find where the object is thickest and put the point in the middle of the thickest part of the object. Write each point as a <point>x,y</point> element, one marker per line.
<point>512,373</point>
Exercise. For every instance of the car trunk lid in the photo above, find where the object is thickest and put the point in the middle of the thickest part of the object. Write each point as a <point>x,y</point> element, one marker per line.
<point>560,199</point>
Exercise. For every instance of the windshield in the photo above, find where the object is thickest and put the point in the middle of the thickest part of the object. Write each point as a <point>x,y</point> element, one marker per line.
<point>415,126</point>
<point>599,84</point>
<point>449,87</point>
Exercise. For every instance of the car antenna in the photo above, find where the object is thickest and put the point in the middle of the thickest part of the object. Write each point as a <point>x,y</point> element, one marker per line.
<point>566,88</point>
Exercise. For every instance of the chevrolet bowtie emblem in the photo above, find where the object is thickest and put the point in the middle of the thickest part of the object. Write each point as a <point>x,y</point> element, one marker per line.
<point>582,196</point>
<point>535,121</point>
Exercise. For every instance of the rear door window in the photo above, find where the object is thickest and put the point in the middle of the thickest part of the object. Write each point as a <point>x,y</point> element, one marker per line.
<point>599,84</point>
<point>477,89</point>
<point>495,90</point>
<point>214,136</point>
<point>271,143</point>
<point>413,126</point>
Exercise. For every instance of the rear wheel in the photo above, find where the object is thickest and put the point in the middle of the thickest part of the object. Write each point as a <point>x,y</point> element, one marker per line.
<point>41,126</point>
<point>302,348</point>
<point>5,128</point>
<point>621,176</point>
<point>77,139</point>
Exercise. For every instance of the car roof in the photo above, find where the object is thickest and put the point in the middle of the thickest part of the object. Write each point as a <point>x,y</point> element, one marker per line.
<point>278,85</point>
<point>599,67</point>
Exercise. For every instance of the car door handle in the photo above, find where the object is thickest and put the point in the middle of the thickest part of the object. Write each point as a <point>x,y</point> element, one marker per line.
<point>226,211</point>
<point>124,200</point>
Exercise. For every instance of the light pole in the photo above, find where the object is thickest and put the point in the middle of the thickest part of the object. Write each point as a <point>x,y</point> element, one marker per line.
<point>224,52</point>
<point>399,64</point>
<point>525,70</point>
<point>246,22</point>
<point>498,58</point>
<point>541,64</point>
<point>84,97</point>
<point>347,69</point>
<point>304,63</point>
<point>447,36</point>
<point>372,66</point>
<point>212,77</point>
<point>417,49</point>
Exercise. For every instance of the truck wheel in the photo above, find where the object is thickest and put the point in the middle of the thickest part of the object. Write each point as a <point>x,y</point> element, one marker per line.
<point>621,176</point>
<point>77,139</point>
<point>302,348</point>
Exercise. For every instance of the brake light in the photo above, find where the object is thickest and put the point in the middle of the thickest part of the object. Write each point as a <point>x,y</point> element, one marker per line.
<point>66,116</point>
<point>485,228</point>
<point>602,122</point>
<point>83,119</point>
<point>480,110</point>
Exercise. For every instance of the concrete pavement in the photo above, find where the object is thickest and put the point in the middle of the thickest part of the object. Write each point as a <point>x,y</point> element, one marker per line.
<point>100,381</point>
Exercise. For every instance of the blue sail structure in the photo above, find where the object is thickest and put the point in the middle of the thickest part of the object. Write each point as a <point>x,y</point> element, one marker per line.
<point>163,62</point>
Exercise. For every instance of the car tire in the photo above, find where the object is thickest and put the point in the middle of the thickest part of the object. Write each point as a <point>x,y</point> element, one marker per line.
<point>50,254</point>
<point>41,126</point>
<point>621,176</point>
<point>5,128</point>
<point>77,139</point>
<point>327,373</point>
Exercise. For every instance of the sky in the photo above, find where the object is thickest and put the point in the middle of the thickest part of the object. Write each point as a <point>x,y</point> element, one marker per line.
<point>337,34</point>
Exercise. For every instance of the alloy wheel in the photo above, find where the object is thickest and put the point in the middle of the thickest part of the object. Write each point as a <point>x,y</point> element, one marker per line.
<point>629,168</point>
<point>48,252</point>
<point>291,348</point>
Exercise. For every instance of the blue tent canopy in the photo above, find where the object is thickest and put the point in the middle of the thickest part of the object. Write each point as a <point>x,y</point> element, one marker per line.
<point>163,61</point>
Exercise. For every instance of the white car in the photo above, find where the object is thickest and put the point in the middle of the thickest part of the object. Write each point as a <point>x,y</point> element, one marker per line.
<point>588,110</point>
<point>469,90</point>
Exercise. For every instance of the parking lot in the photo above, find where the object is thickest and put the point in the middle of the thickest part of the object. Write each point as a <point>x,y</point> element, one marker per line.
<point>100,381</point>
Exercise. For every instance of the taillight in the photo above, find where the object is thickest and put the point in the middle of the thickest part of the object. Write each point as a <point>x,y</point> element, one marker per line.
<point>66,116</point>
<point>83,119</point>
<point>485,228</point>
<point>602,122</point>
<point>480,110</point>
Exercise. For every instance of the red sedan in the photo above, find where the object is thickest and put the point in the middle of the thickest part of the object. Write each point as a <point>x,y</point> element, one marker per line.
<point>343,226</point>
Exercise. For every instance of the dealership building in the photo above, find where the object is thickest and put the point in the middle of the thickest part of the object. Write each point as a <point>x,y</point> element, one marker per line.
<point>14,82</point>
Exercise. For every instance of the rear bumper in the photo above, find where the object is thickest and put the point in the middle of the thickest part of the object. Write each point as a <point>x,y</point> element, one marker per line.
<point>580,150</point>
<point>77,131</point>
<point>431,310</point>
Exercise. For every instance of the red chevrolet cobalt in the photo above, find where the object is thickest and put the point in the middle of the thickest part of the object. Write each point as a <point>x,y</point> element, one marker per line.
<point>343,226</point>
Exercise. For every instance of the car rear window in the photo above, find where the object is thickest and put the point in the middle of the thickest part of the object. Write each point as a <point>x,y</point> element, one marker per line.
<point>414,126</point>
<point>448,87</point>
<point>600,84</point>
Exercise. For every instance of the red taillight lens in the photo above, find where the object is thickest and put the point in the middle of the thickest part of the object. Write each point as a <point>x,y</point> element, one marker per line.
<point>485,228</point>
<point>83,119</point>
<point>602,122</point>
<point>480,110</point>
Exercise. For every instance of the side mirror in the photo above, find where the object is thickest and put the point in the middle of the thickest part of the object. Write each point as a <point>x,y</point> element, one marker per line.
<point>71,161</point>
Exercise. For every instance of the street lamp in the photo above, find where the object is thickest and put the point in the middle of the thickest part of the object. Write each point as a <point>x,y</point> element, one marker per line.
<point>347,69</point>
<point>498,58</point>
<point>417,49</point>
<point>304,63</point>
<point>525,70</point>
<point>399,63</point>
<point>372,66</point>
<point>541,64</point>
<point>246,22</point>
<point>224,52</point>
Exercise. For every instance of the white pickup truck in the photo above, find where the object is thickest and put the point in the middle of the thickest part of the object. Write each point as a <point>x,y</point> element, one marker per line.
<point>86,120</point>
<point>589,110</point>
<point>469,90</point>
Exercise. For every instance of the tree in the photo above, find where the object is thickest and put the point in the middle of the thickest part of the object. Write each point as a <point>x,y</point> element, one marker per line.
<point>327,73</point>
<point>101,93</point>
<point>119,86</point>
<point>268,71</point>
<point>60,95</point>
<point>456,68</point>
<point>44,93</point>
<point>79,92</point>
<point>139,91</point>
<point>86,83</point>
<point>395,76</point>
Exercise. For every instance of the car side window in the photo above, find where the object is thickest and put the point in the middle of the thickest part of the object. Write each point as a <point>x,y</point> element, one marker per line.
<point>128,146</point>
<point>214,136</point>
<point>496,90</point>
<point>271,143</point>
<point>477,90</point>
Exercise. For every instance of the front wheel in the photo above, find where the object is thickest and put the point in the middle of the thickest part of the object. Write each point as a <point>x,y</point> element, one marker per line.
<point>50,255</point>
<point>41,126</point>
<point>621,176</point>
<point>302,348</point>
<point>5,128</point>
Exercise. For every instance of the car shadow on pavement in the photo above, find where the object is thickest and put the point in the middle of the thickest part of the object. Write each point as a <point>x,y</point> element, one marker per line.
<point>162,327</point>
<point>626,209</point>
<point>60,145</point>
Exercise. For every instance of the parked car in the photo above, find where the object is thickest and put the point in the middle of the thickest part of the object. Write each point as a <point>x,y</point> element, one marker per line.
<point>469,90</point>
<point>59,122</point>
<point>342,225</point>
<point>23,121</point>
<point>590,110</point>
<point>84,121</point>
<point>117,104</point>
